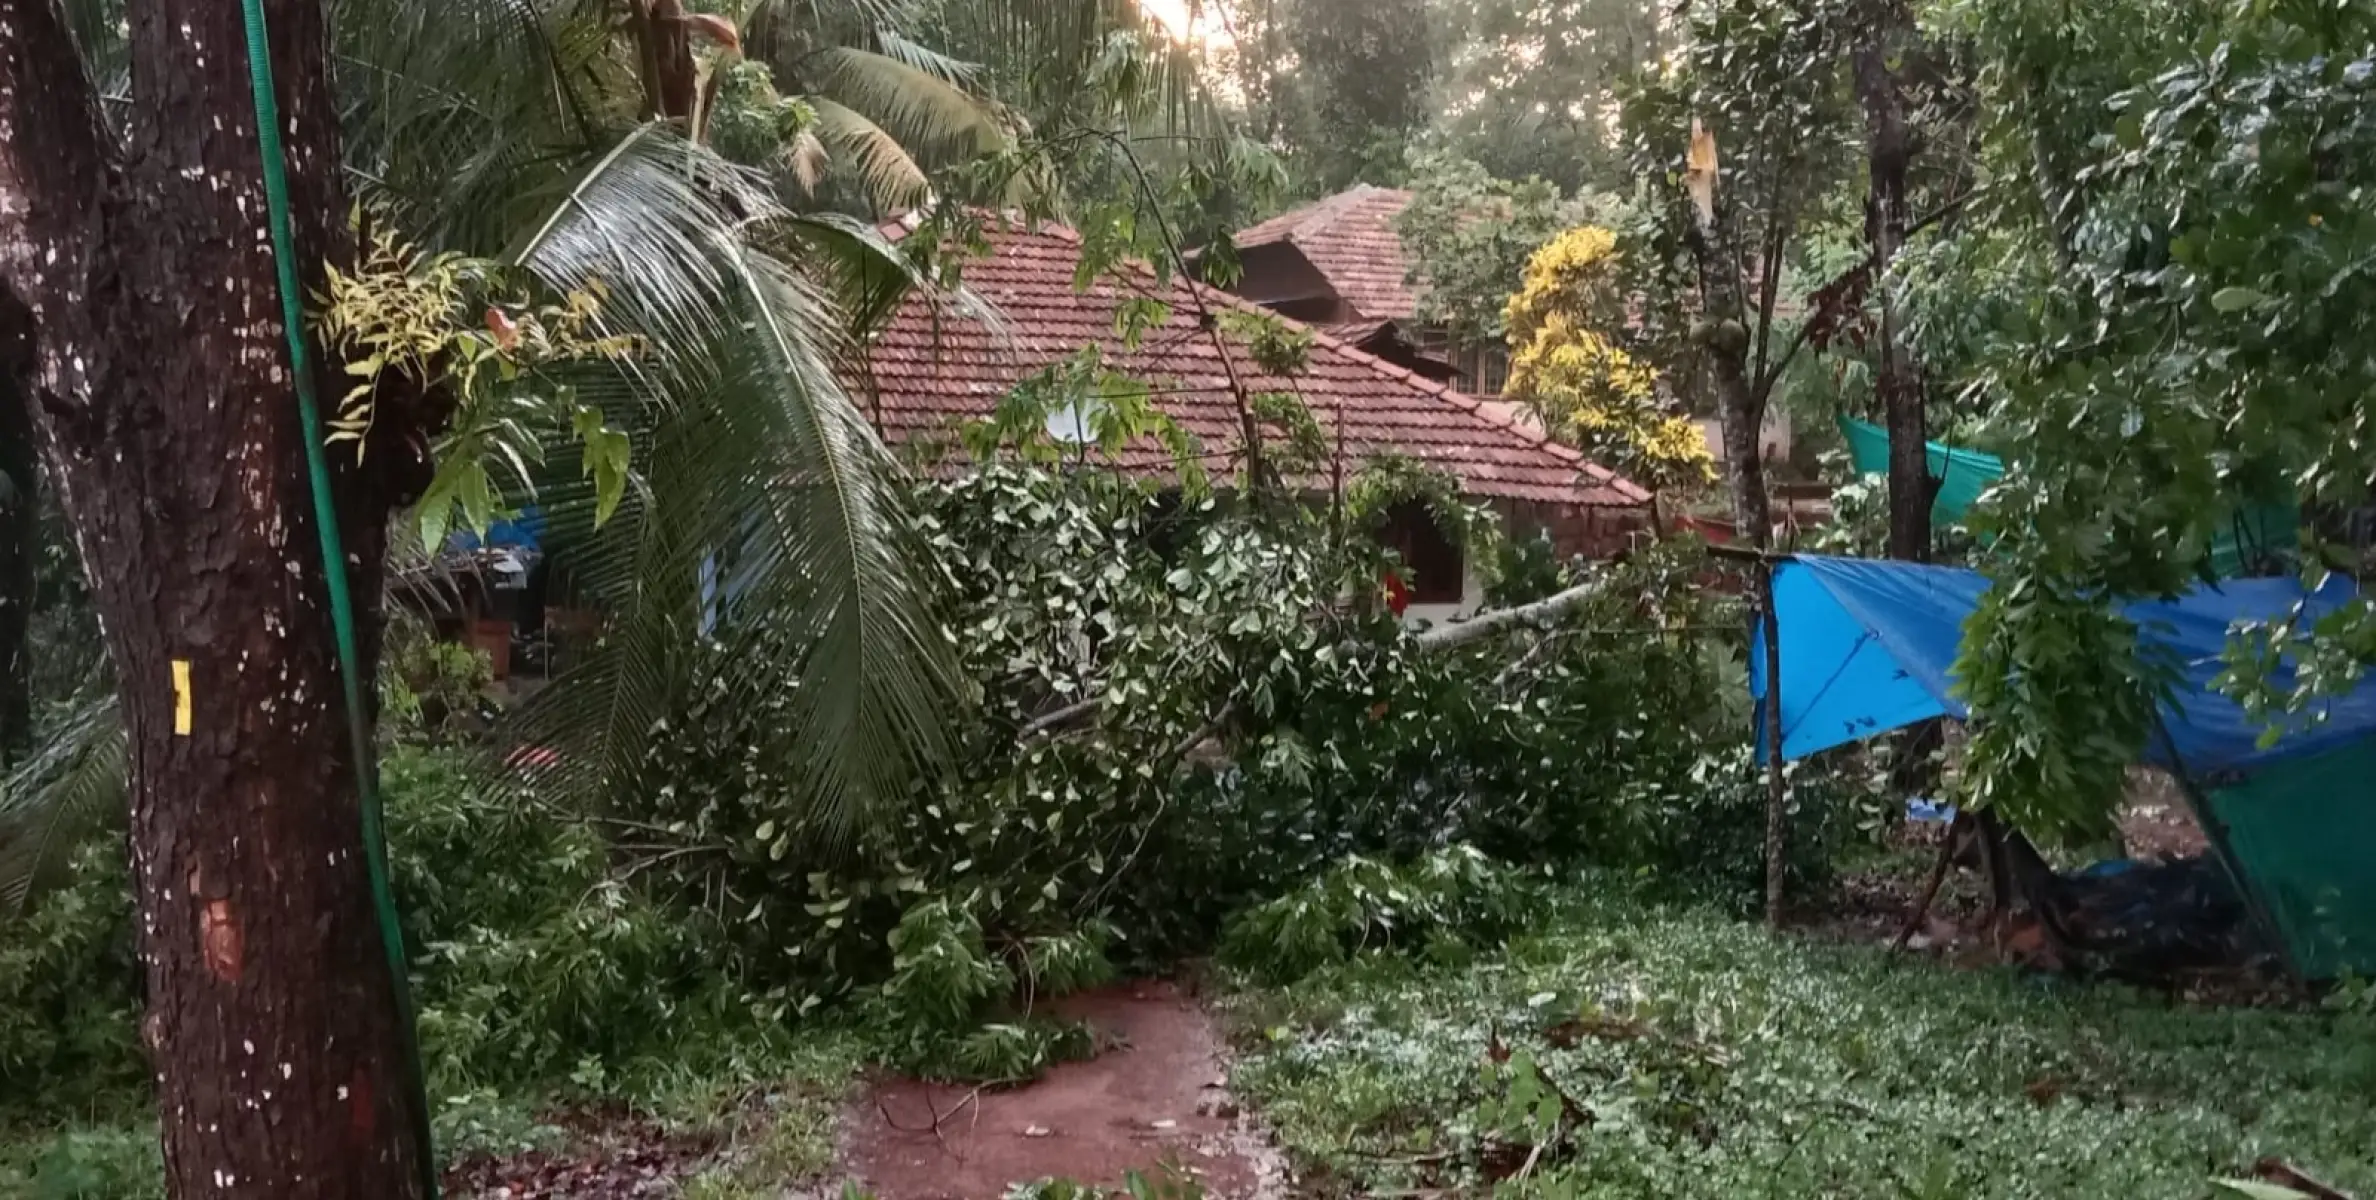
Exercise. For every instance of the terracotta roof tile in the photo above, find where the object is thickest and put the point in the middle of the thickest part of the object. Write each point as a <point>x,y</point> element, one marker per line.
<point>1350,239</point>
<point>932,368</point>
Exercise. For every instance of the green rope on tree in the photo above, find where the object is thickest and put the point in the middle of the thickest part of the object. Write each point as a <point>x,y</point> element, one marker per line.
<point>342,605</point>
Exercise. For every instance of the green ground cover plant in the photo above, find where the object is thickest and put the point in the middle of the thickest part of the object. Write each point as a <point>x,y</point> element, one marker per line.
<point>1672,1051</point>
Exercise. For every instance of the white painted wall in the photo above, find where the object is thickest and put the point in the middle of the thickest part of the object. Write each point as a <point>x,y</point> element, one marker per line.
<point>1774,437</point>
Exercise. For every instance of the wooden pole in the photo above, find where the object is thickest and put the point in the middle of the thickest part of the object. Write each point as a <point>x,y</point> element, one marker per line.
<point>1777,826</point>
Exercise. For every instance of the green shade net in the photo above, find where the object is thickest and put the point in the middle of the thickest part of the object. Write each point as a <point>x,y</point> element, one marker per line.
<point>2254,532</point>
<point>2300,832</point>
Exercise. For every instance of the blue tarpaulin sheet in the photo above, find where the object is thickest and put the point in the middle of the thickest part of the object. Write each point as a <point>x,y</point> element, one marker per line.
<point>523,532</point>
<point>1869,646</point>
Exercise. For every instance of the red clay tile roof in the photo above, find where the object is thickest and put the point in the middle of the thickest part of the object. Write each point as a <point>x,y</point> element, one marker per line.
<point>1350,239</point>
<point>933,368</point>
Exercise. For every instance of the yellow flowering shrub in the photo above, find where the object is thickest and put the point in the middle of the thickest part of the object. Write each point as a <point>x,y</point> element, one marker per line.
<point>1585,389</point>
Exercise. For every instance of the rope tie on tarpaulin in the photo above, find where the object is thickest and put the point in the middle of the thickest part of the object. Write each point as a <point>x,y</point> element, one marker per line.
<point>342,604</point>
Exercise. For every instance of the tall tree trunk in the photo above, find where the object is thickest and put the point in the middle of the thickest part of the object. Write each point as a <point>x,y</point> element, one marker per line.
<point>1885,34</point>
<point>1724,351</point>
<point>1741,401</point>
<point>1742,414</point>
<point>140,320</point>
<point>20,544</point>
<point>671,78</point>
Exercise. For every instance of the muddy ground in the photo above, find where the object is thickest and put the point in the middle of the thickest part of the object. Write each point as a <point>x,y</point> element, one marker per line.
<point>1157,1097</point>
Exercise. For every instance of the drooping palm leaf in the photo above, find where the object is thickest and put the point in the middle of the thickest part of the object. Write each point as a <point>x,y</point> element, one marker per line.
<point>891,43</point>
<point>889,175</point>
<point>69,787</point>
<point>929,116</point>
<point>752,456</point>
<point>641,221</point>
<point>806,160</point>
<point>868,274</point>
<point>855,55</point>
<point>453,111</point>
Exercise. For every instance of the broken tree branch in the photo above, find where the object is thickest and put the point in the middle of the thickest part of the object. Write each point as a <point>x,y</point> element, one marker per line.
<point>1049,722</point>
<point>1540,612</point>
<point>57,171</point>
<point>1930,888</point>
<point>2283,1174</point>
<point>1441,638</point>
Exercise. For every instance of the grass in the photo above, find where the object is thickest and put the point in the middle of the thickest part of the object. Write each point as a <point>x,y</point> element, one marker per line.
<point>96,1161</point>
<point>778,1135</point>
<point>770,1100</point>
<point>1715,1060</point>
<point>1702,1057</point>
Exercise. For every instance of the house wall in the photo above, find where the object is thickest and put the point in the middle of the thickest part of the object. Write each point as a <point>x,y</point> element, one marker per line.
<point>1574,530</point>
<point>1577,530</point>
<point>1774,438</point>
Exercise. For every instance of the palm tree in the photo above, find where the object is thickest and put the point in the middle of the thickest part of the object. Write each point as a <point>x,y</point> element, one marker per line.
<point>889,110</point>
<point>567,140</point>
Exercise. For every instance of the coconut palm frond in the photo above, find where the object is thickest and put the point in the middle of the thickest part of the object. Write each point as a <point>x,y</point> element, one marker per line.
<point>949,69</point>
<point>770,519</point>
<point>70,787</point>
<point>454,112</point>
<point>806,161</point>
<point>865,272</point>
<point>868,274</point>
<point>641,224</point>
<point>835,553</point>
<point>887,173</point>
<point>929,115</point>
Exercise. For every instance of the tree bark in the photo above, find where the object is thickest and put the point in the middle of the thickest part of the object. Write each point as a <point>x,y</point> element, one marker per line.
<point>1741,395</point>
<point>671,78</point>
<point>1723,338</point>
<point>20,544</point>
<point>140,322</point>
<point>1884,34</point>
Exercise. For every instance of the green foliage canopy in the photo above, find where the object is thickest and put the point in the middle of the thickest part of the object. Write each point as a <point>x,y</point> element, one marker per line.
<point>2201,342</point>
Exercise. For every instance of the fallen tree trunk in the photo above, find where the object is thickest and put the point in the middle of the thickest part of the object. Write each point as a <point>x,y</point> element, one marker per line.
<point>1548,609</point>
<point>1444,637</point>
<point>1048,723</point>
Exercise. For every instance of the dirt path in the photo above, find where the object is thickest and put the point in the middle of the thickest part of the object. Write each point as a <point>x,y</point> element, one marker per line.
<point>1157,1096</point>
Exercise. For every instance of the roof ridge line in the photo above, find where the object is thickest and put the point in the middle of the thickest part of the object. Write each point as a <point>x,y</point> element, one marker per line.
<point>1475,406</point>
<point>1459,401</point>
